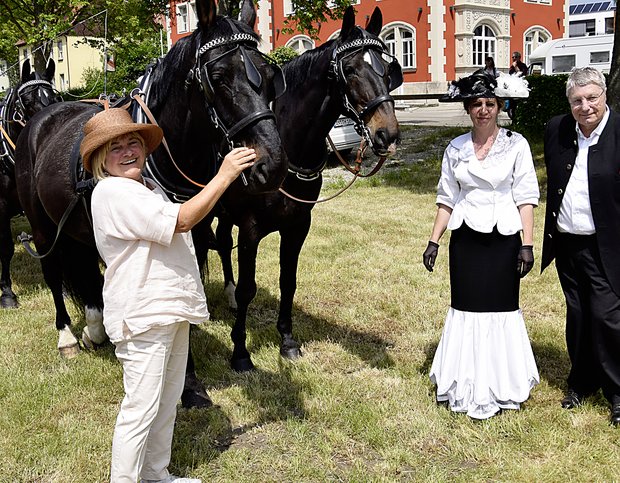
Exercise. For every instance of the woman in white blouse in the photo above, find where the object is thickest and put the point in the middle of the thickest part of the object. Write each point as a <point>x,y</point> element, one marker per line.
<point>486,196</point>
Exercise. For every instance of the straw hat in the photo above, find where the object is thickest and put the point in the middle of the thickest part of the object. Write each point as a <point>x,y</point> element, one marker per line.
<point>112,123</point>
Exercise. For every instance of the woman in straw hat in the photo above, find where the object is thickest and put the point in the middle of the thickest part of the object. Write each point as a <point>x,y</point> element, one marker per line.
<point>152,289</point>
<point>486,195</point>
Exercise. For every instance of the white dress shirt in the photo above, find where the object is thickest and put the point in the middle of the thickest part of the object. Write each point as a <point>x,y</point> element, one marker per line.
<point>488,193</point>
<point>575,215</point>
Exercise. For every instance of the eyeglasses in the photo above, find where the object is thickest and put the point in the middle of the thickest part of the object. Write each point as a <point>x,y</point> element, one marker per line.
<point>590,100</point>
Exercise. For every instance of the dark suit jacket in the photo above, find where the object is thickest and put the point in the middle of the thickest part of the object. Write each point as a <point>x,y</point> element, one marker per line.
<point>604,186</point>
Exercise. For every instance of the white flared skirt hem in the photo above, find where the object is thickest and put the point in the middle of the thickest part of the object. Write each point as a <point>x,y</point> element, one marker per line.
<point>484,362</point>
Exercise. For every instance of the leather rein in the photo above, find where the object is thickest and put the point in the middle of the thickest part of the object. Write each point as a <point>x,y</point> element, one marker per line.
<point>336,75</point>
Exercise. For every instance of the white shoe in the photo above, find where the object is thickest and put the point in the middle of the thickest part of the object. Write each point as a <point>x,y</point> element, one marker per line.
<point>172,479</point>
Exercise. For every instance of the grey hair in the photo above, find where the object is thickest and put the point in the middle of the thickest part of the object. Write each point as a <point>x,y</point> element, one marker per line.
<point>582,76</point>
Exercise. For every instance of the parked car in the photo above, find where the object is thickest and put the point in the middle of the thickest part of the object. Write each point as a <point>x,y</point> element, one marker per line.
<point>344,136</point>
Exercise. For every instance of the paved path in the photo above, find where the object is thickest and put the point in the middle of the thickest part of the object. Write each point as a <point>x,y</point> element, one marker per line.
<point>439,114</point>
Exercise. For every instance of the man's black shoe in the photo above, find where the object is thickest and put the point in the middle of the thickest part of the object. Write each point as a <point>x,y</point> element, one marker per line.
<point>615,414</point>
<point>572,399</point>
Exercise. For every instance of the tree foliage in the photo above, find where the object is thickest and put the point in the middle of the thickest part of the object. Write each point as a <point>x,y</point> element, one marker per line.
<point>307,14</point>
<point>38,22</point>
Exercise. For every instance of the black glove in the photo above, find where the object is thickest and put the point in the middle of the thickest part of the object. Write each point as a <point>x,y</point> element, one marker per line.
<point>429,255</point>
<point>525,260</point>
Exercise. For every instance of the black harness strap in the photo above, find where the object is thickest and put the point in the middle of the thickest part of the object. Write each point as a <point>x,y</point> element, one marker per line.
<point>82,188</point>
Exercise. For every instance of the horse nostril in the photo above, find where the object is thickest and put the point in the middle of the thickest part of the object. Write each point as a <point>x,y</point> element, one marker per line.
<point>261,173</point>
<point>381,137</point>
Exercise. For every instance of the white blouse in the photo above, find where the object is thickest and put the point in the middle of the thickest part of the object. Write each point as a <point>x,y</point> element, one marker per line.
<point>487,193</point>
<point>151,276</point>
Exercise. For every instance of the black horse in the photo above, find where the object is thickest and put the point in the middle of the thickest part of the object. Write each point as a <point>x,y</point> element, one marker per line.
<point>33,93</point>
<point>348,75</point>
<point>211,89</point>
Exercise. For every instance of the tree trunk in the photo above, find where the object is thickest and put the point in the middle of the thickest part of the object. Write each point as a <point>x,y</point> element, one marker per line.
<point>613,81</point>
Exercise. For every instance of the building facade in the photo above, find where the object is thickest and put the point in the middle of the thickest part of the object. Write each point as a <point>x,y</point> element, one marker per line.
<point>434,40</point>
<point>586,19</point>
<point>72,55</point>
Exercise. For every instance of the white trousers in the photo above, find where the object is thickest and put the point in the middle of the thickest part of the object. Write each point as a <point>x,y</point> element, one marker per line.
<point>153,376</point>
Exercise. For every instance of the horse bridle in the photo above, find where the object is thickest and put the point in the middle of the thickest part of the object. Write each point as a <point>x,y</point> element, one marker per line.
<point>44,87</point>
<point>336,73</point>
<point>200,73</point>
<point>19,115</point>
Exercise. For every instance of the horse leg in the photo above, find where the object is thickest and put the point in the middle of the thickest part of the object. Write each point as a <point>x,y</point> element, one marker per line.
<point>8,299</point>
<point>244,294</point>
<point>224,249</point>
<point>291,242</point>
<point>194,394</point>
<point>83,280</point>
<point>68,345</point>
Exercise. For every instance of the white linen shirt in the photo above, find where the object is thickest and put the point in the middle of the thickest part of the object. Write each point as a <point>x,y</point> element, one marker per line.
<point>575,214</point>
<point>151,276</point>
<point>486,193</point>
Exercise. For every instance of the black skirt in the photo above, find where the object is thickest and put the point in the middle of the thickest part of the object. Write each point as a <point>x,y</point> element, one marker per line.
<point>483,270</point>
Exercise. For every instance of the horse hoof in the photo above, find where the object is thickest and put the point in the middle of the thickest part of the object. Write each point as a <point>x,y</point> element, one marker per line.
<point>88,344</point>
<point>242,365</point>
<point>195,399</point>
<point>70,351</point>
<point>291,353</point>
<point>8,302</point>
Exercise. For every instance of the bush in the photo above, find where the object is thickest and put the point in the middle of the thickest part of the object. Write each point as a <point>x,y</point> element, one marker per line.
<point>283,54</point>
<point>547,99</point>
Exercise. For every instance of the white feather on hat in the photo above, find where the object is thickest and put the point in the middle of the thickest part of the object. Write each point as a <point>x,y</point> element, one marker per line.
<point>511,86</point>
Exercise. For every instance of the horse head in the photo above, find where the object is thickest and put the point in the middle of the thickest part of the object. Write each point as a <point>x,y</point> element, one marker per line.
<point>365,73</point>
<point>229,85</point>
<point>35,91</point>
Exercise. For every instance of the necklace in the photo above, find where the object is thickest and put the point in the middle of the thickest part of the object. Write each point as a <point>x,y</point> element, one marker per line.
<point>482,149</point>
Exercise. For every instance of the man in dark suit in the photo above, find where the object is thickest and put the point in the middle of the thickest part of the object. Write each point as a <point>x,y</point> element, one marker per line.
<point>582,233</point>
<point>517,67</point>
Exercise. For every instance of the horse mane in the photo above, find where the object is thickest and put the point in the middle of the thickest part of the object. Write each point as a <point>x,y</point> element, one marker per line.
<point>297,70</point>
<point>183,53</point>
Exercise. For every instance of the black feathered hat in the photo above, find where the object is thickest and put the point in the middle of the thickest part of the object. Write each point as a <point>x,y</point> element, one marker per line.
<point>479,84</point>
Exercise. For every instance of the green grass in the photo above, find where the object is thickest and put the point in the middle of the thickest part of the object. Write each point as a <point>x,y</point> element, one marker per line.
<point>358,407</point>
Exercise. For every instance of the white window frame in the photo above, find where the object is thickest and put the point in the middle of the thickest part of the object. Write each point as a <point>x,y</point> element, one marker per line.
<point>541,2</point>
<point>60,49</point>
<point>183,17</point>
<point>484,45</point>
<point>299,43</point>
<point>403,50</point>
<point>288,8</point>
<point>529,45</point>
<point>331,4</point>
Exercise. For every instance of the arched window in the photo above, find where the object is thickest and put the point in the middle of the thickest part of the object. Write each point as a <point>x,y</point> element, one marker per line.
<point>533,39</point>
<point>300,43</point>
<point>400,41</point>
<point>483,45</point>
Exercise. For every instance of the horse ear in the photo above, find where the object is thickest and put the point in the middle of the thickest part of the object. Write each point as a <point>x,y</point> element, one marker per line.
<point>247,13</point>
<point>49,70</point>
<point>376,22</point>
<point>26,71</point>
<point>348,22</point>
<point>206,10</point>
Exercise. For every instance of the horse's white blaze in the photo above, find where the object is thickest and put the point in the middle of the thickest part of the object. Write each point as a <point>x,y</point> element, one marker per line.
<point>94,325</point>
<point>367,57</point>
<point>229,291</point>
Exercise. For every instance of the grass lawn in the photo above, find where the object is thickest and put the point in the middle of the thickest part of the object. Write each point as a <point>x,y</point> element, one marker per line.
<point>358,407</point>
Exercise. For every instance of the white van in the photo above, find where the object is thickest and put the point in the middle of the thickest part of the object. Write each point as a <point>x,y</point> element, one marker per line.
<point>559,56</point>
